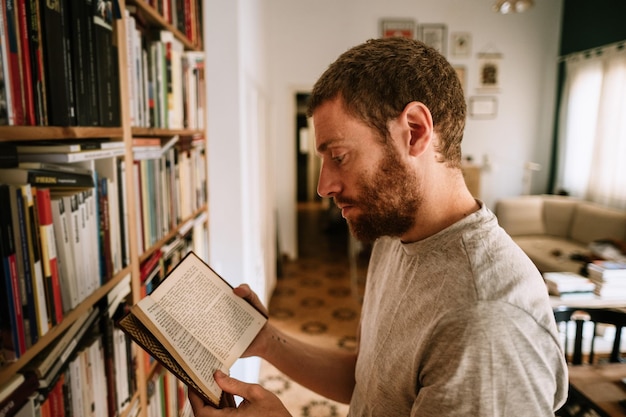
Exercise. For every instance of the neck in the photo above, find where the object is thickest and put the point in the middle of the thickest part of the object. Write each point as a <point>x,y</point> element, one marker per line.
<point>444,203</point>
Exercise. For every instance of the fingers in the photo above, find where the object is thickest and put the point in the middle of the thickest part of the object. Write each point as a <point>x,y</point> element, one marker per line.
<point>244,291</point>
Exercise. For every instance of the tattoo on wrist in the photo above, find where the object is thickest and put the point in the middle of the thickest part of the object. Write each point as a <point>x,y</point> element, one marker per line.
<point>279,339</point>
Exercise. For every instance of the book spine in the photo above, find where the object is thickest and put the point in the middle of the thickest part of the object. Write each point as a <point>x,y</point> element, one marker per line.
<point>30,309</point>
<point>36,62</point>
<point>14,63</point>
<point>16,399</point>
<point>11,317</point>
<point>105,61</point>
<point>25,60</point>
<point>58,71</point>
<point>6,112</point>
<point>67,277</point>
<point>82,61</point>
<point>34,248</point>
<point>49,253</point>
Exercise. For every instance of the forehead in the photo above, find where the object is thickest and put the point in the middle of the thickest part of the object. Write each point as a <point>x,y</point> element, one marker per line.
<point>334,126</point>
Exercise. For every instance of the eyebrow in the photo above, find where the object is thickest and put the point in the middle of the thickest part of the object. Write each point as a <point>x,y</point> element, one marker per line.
<point>324,146</point>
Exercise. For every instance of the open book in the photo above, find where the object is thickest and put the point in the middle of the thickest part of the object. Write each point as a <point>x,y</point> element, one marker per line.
<point>194,324</point>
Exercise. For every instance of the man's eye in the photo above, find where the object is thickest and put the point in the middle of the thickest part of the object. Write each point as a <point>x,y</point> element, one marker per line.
<point>338,159</point>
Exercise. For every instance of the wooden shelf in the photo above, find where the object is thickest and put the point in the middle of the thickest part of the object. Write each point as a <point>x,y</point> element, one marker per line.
<point>151,131</point>
<point>32,133</point>
<point>58,330</point>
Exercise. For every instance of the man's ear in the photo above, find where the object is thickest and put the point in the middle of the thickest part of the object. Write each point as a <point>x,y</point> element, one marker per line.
<point>420,125</point>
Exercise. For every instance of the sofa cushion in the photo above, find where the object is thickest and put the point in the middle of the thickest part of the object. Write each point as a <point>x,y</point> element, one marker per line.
<point>550,253</point>
<point>592,222</point>
<point>521,215</point>
<point>558,213</point>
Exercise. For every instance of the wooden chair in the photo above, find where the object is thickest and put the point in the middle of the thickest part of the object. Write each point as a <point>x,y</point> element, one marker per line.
<point>575,316</point>
<point>577,404</point>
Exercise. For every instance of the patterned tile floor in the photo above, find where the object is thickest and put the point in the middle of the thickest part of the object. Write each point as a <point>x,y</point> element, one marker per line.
<point>317,298</point>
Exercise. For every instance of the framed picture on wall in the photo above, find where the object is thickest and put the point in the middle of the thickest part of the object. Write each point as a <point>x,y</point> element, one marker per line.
<point>434,35</point>
<point>483,107</point>
<point>460,44</point>
<point>404,28</point>
<point>489,71</point>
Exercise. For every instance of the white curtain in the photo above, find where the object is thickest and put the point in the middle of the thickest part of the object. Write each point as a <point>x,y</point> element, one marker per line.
<point>592,127</point>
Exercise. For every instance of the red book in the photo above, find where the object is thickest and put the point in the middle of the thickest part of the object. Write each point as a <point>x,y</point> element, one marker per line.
<point>9,8</point>
<point>24,53</point>
<point>49,255</point>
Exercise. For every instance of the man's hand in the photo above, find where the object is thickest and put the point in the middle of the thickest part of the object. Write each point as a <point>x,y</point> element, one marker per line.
<point>257,401</point>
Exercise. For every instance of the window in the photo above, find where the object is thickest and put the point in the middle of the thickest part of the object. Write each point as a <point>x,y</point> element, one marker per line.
<point>592,127</point>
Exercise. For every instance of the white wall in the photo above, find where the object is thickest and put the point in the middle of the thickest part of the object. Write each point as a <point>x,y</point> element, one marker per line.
<point>305,37</point>
<point>241,218</point>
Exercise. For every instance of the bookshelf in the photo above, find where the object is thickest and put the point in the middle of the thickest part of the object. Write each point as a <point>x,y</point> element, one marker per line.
<point>185,218</point>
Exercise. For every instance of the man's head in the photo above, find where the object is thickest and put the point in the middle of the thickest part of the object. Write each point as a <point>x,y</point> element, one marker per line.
<point>384,112</point>
<point>378,78</point>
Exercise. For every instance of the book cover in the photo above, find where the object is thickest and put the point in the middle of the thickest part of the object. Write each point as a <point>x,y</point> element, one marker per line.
<point>221,328</point>
<point>63,146</point>
<point>49,255</point>
<point>58,70</point>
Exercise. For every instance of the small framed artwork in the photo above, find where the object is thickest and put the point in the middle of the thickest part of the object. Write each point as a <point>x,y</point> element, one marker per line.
<point>489,71</point>
<point>483,107</point>
<point>434,35</point>
<point>404,28</point>
<point>461,72</point>
<point>460,44</point>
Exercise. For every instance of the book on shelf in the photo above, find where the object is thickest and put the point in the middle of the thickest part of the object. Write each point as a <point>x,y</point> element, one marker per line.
<point>83,61</point>
<point>56,354</point>
<point>36,262</point>
<point>45,178</point>
<point>25,62</point>
<point>33,9</point>
<point>14,83</point>
<point>63,146</point>
<point>11,318</point>
<point>15,392</point>
<point>49,255</point>
<point>6,113</point>
<point>67,157</point>
<point>57,63</point>
<point>561,283</point>
<point>106,63</point>
<point>24,272</point>
<point>216,325</point>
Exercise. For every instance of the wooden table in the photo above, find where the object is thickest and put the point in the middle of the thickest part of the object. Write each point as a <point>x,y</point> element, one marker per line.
<point>601,386</point>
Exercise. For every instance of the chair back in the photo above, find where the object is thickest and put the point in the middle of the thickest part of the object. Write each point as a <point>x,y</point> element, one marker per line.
<point>577,317</point>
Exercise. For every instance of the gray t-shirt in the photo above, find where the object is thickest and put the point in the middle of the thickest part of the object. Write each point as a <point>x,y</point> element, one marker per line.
<point>458,324</point>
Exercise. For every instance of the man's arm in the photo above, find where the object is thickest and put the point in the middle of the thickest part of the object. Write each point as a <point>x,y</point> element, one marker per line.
<point>328,372</point>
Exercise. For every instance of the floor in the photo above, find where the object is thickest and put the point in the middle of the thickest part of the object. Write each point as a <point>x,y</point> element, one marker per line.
<point>318,299</point>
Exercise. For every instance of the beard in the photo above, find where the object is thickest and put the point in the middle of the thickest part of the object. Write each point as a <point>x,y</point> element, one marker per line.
<point>389,200</point>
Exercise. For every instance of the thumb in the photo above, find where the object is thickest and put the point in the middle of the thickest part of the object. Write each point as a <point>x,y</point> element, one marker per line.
<point>231,385</point>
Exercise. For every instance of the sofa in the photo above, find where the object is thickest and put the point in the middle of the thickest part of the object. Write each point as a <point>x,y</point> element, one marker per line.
<point>560,233</point>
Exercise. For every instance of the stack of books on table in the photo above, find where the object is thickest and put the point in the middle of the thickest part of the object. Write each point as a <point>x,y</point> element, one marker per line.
<point>569,285</point>
<point>609,278</point>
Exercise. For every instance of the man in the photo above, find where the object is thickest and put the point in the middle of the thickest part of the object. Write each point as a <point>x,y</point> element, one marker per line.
<point>456,319</point>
